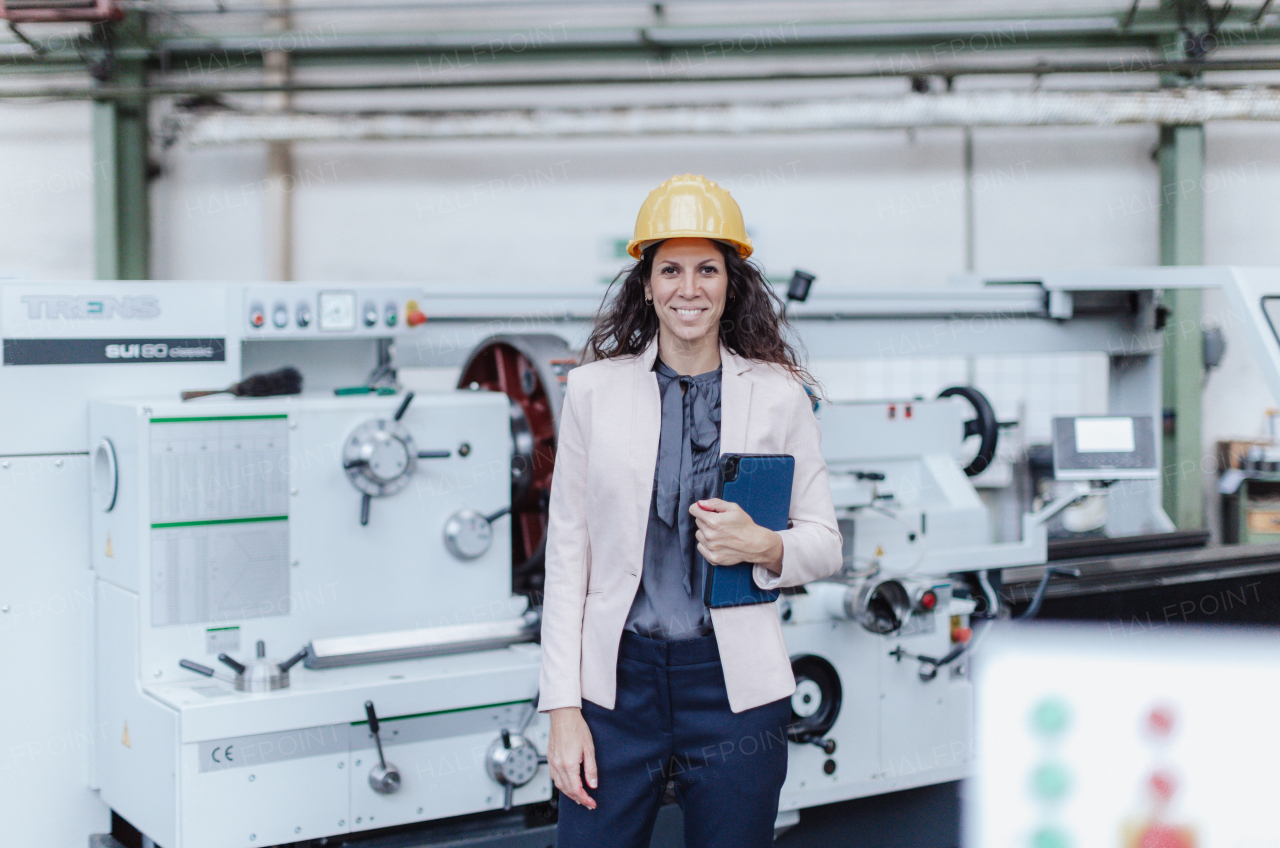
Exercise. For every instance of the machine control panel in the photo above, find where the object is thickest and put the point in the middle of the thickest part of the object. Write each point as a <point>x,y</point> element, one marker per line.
<point>301,311</point>
<point>1098,447</point>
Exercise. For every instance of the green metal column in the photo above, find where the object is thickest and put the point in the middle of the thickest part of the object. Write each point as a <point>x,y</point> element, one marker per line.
<point>122,213</point>
<point>1181,156</point>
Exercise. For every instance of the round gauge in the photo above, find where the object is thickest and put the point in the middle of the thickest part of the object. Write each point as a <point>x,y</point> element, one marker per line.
<point>106,476</point>
<point>379,457</point>
<point>467,534</point>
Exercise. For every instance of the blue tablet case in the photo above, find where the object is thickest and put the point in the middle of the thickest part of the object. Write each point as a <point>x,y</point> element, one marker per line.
<point>761,484</point>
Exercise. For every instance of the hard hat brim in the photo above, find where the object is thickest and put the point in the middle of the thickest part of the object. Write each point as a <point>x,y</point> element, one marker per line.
<point>636,247</point>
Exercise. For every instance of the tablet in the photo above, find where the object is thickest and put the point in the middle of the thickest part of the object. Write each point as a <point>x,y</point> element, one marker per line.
<point>760,484</point>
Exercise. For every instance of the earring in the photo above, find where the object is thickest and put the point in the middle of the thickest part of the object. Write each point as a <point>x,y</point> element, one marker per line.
<point>648,299</point>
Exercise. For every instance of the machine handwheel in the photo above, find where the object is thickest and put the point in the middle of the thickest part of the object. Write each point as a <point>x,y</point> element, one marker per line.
<point>816,702</point>
<point>984,425</point>
<point>531,370</point>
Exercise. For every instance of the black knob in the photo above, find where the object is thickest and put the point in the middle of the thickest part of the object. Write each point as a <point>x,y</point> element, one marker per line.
<point>364,509</point>
<point>506,738</point>
<point>372,716</point>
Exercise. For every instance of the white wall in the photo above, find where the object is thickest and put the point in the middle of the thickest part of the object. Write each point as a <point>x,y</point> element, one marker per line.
<point>46,191</point>
<point>877,209</point>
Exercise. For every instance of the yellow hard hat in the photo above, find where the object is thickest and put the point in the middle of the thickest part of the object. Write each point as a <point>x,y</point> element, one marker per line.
<point>689,206</point>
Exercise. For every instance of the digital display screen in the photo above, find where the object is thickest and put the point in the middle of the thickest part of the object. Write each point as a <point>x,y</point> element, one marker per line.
<point>1104,435</point>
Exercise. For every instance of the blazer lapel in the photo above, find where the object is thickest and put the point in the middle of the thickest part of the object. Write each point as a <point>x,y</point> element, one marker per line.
<point>735,402</point>
<point>646,431</point>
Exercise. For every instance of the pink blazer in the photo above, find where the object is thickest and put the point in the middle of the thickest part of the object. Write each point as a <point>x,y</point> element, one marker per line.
<point>606,452</point>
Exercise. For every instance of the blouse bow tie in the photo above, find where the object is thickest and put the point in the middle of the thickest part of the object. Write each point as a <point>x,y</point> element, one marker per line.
<point>688,424</point>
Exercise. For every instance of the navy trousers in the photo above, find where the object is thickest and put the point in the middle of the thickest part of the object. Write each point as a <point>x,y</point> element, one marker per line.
<point>672,721</point>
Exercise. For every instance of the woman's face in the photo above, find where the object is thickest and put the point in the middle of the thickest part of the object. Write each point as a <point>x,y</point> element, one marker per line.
<point>688,285</point>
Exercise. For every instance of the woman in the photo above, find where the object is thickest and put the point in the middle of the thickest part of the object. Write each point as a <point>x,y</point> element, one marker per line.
<point>644,684</point>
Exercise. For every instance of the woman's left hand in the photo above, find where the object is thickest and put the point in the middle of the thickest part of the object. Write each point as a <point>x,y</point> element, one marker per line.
<point>727,536</point>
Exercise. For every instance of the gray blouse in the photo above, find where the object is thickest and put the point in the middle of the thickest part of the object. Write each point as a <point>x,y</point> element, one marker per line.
<point>668,605</point>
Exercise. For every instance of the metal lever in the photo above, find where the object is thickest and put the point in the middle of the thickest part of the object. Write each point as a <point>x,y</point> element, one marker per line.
<point>234,665</point>
<point>196,667</point>
<point>828,746</point>
<point>364,509</point>
<point>205,670</point>
<point>404,407</point>
<point>292,661</point>
<point>435,454</point>
<point>384,778</point>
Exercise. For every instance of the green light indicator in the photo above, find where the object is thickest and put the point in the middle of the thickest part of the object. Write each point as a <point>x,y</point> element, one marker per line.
<point>1050,781</point>
<point>1050,837</point>
<point>1051,716</point>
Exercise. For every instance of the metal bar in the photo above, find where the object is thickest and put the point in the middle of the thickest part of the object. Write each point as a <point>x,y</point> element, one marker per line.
<point>987,108</point>
<point>1128,67</point>
<point>1181,157</point>
<point>914,42</point>
<point>122,212</point>
<point>1166,568</point>
<point>970,239</point>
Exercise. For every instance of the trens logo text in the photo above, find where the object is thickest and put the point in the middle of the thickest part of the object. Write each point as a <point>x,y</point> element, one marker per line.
<point>90,308</point>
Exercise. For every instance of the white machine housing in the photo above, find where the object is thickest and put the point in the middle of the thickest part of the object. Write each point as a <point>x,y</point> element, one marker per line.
<point>233,521</point>
<point>916,446</point>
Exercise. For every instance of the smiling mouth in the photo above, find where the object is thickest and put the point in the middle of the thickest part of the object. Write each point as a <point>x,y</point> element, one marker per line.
<point>687,312</point>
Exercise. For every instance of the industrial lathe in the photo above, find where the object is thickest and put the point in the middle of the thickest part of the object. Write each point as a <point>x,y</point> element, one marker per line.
<point>240,621</point>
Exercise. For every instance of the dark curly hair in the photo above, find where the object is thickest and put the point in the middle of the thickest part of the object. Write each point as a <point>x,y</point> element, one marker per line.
<point>753,324</point>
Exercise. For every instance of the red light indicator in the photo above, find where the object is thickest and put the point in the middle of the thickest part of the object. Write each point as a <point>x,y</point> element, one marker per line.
<point>1163,785</point>
<point>1160,721</point>
<point>928,601</point>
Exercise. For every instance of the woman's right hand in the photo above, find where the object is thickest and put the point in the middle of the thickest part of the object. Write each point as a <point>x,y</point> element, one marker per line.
<point>570,752</point>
